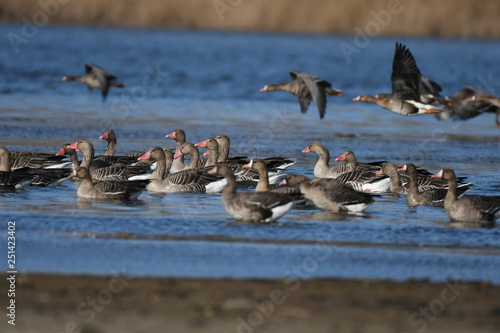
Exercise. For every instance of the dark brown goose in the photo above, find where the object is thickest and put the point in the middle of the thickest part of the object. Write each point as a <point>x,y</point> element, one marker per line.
<point>431,197</point>
<point>307,87</point>
<point>406,79</point>
<point>187,181</point>
<point>180,138</point>
<point>106,190</point>
<point>468,103</point>
<point>96,77</point>
<point>430,91</point>
<point>28,176</point>
<point>330,194</point>
<point>101,170</point>
<point>8,179</point>
<point>250,206</point>
<point>468,208</point>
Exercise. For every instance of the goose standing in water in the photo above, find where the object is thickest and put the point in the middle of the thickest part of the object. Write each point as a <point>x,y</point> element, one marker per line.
<point>307,87</point>
<point>96,77</point>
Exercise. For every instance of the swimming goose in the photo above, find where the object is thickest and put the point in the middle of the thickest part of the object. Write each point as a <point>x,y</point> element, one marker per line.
<point>212,152</point>
<point>400,183</point>
<point>307,87</point>
<point>278,163</point>
<point>468,208</point>
<point>96,78</point>
<point>101,170</point>
<point>8,179</point>
<point>250,206</point>
<point>245,176</point>
<point>129,190</point>
<point>322,168</point>
<point>406,79</point>
<point>263,182</point>
<point>73,157</point>
<point>186,181</point>
<point>180,138</point>
<point>23,159</point>
<point>359,176</point>
<point>431,197</point>
<point>110,137</point>
<point>188,148</point>
<point>330,194</point>
<point>28,176</point>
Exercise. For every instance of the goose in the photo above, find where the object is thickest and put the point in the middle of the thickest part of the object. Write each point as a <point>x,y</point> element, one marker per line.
<point>110,137</point>
<point>263,182</point>
<point>359,176</point>
<point>430,91</point>
<point>101,170</point>
<point>307,87</point>
<point>468,208</point>
<point>468,103</point>
<point>400,183</point>
<point>73,157</point>
<point>330,194</point>
<point>212,151</point>
<point>10,180</point>
<point>21,177</point>
<point>406,79</point>
<point>278,163</point>
<point>96,77</point>
<point>23,159</point>
<point>432,197</point>
<point>250,206</point>
<point>322,168</point>
<point>188,148</point>
<point>494,101</point>
<point>186,181</point>
<point>106,189</point>
<point>180,138</point>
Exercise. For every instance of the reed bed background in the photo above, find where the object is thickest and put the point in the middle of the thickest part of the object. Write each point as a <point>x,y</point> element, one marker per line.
<point>446,18</point>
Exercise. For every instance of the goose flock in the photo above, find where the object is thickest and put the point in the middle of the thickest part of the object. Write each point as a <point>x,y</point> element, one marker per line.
<point>261,190</point>
<point>350,187</point>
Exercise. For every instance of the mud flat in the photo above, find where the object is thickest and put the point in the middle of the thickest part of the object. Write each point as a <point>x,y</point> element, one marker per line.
<point>59,303</point>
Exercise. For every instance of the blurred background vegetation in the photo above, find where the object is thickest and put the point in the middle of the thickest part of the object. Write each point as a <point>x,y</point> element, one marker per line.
<point>444,18</point>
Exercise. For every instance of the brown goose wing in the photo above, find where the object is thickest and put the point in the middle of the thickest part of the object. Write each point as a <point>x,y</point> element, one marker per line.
<point>317,88</point>
<point>405,76</point>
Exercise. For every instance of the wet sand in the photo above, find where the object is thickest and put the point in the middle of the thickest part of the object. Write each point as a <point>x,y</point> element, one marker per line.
<point>58,303</point>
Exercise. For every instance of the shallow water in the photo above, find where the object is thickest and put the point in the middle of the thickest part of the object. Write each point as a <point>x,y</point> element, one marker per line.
<point>207,84</point>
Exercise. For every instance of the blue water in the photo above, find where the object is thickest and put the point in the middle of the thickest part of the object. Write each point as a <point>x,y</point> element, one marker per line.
<point>208,83</point>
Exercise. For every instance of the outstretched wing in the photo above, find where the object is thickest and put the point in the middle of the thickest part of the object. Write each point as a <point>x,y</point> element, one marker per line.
<point>405,75</point>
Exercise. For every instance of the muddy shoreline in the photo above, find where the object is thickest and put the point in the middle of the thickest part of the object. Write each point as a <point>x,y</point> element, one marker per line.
<point>60,303</point>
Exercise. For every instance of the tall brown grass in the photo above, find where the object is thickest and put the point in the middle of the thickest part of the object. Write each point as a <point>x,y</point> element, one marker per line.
<point>453,18</point>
